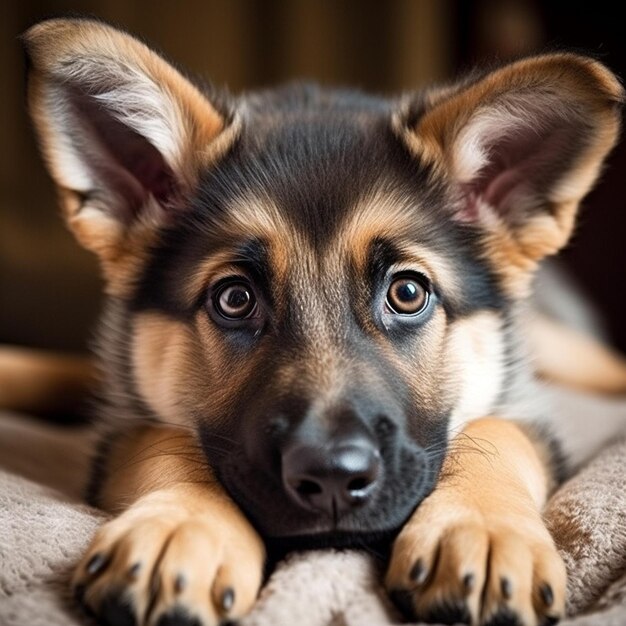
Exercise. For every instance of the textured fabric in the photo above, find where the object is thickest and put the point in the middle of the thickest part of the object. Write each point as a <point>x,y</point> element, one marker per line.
<point>587,517</point>
<point>43,532</point>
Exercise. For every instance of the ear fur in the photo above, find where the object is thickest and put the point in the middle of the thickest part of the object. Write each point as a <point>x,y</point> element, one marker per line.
<point>123,133</point>
<point>521,146</point>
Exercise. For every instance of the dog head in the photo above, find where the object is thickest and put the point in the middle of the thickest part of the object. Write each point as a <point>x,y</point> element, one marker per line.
<point>318,283</point>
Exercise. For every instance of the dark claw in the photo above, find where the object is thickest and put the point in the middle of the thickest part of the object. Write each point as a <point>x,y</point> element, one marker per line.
<point>178,617</point>
<point>450,612</point>
<point>469,580</point>
<point>179,584</point>
<point>96,563</point>
<point>133,571</point>
<point>403,599</point>
<point>228,599</point>
<point>79,596</point>
<point>418,572</point>
<point>116,611</point>
<point>79,593</point>
<point>504,617</point>
<point>506,587</point>
<point>155,586</point>
<point>547,595</point>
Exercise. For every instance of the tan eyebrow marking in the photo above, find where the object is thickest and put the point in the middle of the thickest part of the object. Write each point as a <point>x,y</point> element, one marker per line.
<point>390,217</point>
<point>248,217</point>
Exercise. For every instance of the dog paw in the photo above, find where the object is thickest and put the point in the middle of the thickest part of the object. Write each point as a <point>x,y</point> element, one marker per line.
<point>170,567</point>
<point>456,563</point>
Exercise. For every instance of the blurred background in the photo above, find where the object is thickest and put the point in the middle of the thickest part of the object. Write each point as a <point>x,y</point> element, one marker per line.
<point>49,287</point>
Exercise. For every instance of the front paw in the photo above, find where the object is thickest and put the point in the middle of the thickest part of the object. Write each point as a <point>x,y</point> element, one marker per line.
<point>158,565</point>
<point>457,563</point>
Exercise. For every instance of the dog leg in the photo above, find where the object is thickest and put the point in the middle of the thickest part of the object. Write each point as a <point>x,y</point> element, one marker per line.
<point>180,551</point>
<point>33,381</point>
<point>477,550</point>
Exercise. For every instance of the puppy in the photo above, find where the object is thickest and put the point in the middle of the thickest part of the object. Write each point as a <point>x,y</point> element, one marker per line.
<point>315,328</point>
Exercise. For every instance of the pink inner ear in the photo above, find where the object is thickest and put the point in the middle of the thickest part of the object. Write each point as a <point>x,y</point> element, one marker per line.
<point>122,160</point>
<point>523,162</point>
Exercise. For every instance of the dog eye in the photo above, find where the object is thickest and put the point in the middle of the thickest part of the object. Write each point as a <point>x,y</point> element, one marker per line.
<point>235,300</point>
<point>407,295</point>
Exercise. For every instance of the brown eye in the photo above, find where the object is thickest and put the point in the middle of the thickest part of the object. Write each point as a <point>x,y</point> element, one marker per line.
<point>407,296</point>
<point>235,301</point>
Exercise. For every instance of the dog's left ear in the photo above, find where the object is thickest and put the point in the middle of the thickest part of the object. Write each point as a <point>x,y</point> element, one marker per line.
<point>124,134</point>
<point>521,147</point>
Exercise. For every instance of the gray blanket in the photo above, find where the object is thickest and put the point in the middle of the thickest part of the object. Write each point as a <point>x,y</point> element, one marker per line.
<point>44,530</point>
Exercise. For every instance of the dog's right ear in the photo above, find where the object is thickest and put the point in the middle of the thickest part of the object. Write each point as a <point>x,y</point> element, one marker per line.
<point>520,147</point>
<point>123,133</point>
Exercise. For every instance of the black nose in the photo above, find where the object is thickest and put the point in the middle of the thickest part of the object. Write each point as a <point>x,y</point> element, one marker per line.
<point>334,477</point>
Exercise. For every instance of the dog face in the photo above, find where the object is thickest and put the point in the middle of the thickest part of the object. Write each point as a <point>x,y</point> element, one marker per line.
<point>320,284</point>
<point>313,323</point>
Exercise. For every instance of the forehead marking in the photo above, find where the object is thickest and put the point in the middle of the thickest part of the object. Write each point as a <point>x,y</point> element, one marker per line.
<point>247,218</point>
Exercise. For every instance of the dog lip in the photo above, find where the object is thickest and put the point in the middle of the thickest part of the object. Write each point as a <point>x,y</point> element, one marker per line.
<point>279,546</point>
<point>328,528</point>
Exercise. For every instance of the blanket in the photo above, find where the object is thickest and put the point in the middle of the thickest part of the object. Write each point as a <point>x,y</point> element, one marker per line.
<point>44,528</point>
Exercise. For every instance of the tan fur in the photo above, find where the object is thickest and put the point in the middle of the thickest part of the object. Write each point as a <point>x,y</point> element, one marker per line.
<point>178,366</point>
<point>199,133</point>
<point>260,217</point>
<point>220,263</point>
<point>53,42</point>
<point>483,519</point>
<point>581,83</point>
<point>190,541</point>
<point>162,355</point>
<point>475,352</point>
<point>33,381</point>
<point>576,78</point>
<point>568,357</point>
<point>390,217</point>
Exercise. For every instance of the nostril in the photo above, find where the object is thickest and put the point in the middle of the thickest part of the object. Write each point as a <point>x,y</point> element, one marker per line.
<point>308,488</point>
<point>332,478</point>
<point>359,484</point>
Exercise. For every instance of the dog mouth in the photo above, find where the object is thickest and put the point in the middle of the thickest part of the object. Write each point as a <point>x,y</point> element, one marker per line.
<point>286,527</point>
<point>377,543</point>
<point>353,531</point>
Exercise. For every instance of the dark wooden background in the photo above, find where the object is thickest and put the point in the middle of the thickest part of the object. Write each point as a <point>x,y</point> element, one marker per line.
<point>49,288</point>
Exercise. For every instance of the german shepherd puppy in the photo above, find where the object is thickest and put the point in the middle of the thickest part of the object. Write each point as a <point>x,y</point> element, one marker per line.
<point>315,323</point>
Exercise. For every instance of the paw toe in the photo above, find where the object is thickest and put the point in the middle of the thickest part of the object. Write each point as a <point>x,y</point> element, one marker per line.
<point>549,586</point>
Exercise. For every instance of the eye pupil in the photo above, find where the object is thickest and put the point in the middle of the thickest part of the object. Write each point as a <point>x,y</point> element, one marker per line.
<point>237,298</point>
<point>235,301</point>
<point>407,292</point>
<point>407,296</point>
